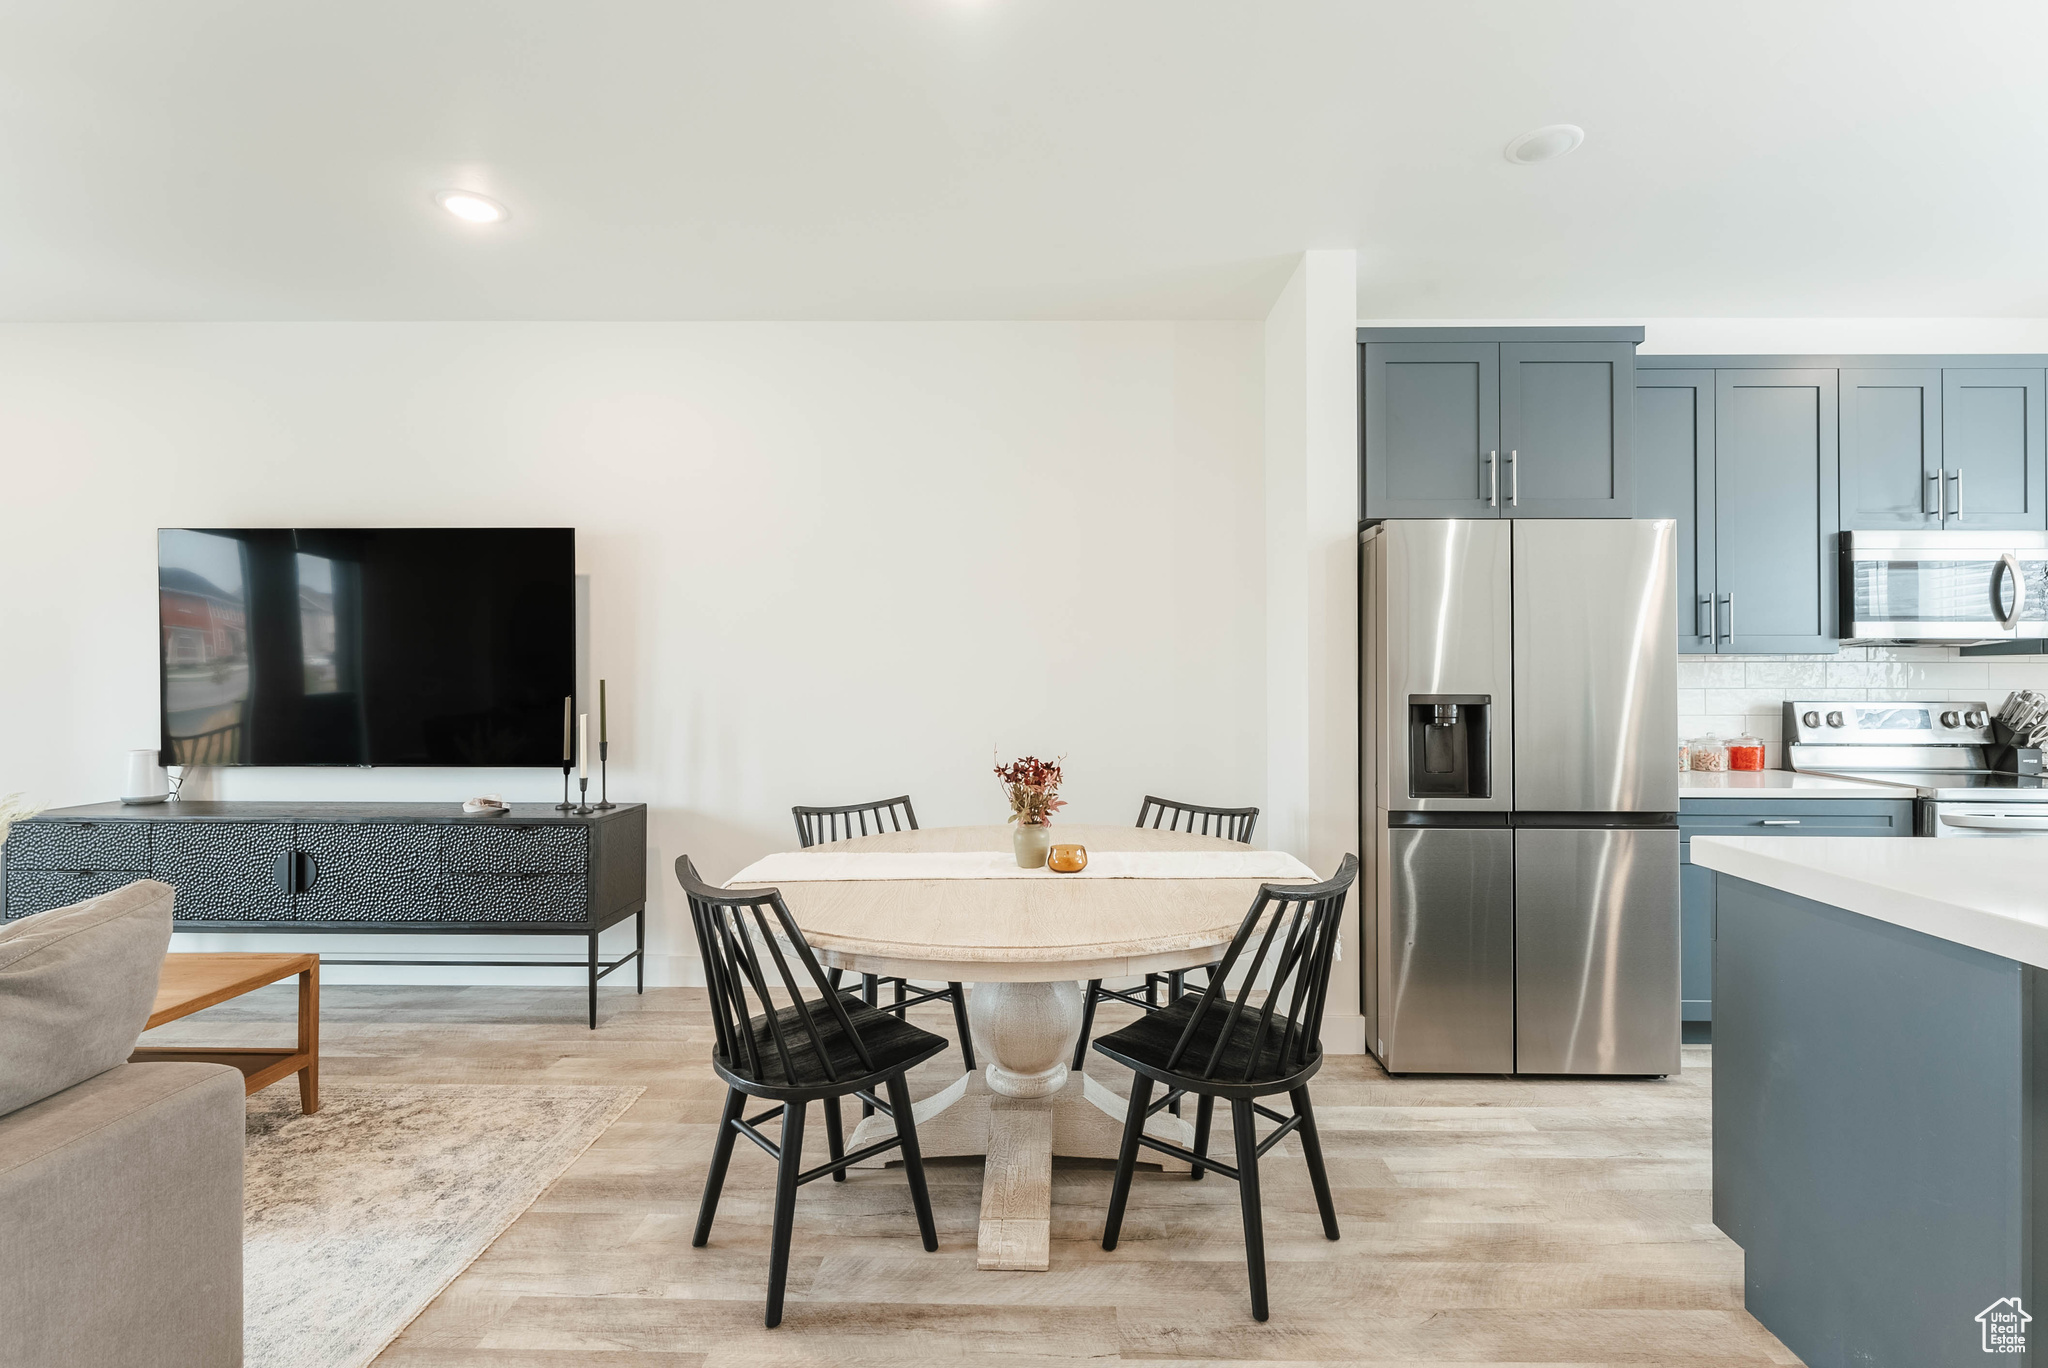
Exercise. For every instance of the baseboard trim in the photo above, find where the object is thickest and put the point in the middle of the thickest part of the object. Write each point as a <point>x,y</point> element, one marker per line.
<point>663,970</point>
<point>1343,1034</point>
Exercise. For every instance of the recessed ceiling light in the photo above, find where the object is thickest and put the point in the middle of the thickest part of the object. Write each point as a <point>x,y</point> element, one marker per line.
<point>471,207</point>
<point>1545,144</point>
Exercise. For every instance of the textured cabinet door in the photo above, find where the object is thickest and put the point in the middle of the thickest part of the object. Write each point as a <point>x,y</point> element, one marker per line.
<point>48,843</point>
<point>39,890</point>
<point>1566,429</point>
<point>1432,430</point>
<point>1777,503</point>
<point>1891,449</point>
<point>1675,479</point>
<point>369,872</point>
<point>1991,445</point>
<point>224,871</point>
<point>515,849</point>
<point>1696,942</point>
<point>515,897</point>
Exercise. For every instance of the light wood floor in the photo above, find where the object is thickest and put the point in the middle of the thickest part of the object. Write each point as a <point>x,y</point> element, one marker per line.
<point>1485,1220</point>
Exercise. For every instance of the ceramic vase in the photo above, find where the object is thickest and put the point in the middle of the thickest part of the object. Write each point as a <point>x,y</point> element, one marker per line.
<point>1032,842</point>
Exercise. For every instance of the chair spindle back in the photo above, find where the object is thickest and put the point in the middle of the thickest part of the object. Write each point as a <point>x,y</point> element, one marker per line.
<point>740,947</point>
<point>1231,824</point>
<point>817,825</point>
<point>1303,921</point>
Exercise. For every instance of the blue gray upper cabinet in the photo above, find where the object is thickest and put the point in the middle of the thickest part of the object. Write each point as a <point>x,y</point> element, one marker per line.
<point>1991,445</point>
<point>1776,510</point>
<point>1499,423</point>
<point>1955,447</point>
<point>1675,479</point>
<point>1566,428</point>
<point>1891,449</point>
<point>1432,430</point>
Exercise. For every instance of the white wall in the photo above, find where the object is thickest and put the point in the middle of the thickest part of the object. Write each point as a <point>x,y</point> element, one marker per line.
<point>1312,501</point>
<point>827,562</point>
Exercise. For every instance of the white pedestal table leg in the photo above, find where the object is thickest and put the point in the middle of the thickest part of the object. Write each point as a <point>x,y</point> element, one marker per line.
<point>1023,1108</point>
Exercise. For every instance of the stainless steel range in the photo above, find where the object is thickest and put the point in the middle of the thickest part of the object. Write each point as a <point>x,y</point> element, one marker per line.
<point>1942,752</point>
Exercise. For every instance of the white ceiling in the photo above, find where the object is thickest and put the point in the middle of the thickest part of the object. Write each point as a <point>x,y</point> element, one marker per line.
<point>682,159</point>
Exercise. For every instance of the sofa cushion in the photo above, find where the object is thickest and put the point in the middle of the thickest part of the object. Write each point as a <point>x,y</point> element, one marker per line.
<point>121,1222</point>
<point>76,985</point>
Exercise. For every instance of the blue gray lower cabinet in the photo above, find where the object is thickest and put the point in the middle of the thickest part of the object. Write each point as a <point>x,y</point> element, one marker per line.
<point>379,868</point>
<point>1755,817</point>
<point>1880,1130</point>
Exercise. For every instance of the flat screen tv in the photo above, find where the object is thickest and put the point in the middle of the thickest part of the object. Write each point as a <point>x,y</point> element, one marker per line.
<point>365,646</point>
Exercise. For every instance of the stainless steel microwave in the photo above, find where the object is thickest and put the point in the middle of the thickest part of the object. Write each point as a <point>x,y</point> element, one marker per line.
<point>1953,588</point>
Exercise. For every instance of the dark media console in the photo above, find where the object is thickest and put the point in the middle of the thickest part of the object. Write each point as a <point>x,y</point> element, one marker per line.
<point>359,868</point>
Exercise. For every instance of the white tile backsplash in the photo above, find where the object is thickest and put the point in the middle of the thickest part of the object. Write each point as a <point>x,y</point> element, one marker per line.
<point>1728,695</point>
<point>1698,673</point>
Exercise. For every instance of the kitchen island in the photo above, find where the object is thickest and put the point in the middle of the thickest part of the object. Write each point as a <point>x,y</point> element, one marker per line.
<point>1881,1091</point>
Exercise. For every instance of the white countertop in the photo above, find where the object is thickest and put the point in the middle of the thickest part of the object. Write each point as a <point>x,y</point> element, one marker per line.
<point>1779,784</point>
<point>1991,894</point>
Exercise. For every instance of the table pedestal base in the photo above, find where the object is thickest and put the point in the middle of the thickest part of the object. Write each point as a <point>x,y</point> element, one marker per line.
<point>1020,1111</point>
<point>1020,1136</point>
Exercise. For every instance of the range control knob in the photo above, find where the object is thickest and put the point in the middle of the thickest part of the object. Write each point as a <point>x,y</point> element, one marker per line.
<point>1976,717</point>
<point>1809,719</point>
<point>1834,719</point>
<point>1952,719</point>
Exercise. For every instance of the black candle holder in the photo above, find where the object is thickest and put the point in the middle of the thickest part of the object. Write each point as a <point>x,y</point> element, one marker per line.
<point>604,795</point>
<point>565,805</point>
<point>584,809</point>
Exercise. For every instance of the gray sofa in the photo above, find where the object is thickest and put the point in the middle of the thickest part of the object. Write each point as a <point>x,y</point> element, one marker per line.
<point>120,1184</point>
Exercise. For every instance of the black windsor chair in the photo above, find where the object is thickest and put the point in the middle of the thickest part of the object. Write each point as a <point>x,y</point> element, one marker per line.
<point>817,825</point>
<point>1212,1045</point>
<point>813,1049</point>
<point>1232,824</point>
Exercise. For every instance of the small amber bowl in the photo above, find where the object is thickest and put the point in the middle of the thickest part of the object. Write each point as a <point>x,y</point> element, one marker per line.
<point>1067,859</point>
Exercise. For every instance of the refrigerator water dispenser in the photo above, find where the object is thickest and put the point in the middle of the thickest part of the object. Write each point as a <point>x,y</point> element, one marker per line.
<point>1448,746</point>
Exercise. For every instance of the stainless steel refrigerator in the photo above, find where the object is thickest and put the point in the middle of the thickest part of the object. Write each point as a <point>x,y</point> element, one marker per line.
<point>1520,782</point>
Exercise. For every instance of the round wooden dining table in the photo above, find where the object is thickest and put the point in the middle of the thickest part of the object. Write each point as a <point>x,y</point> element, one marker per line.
<point>1025,947</point>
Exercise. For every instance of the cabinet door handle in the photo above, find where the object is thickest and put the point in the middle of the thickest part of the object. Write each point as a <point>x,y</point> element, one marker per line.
<point>1493,479</point>
<point>1957,476</point>
<point>1779,821</point>
<point>1514,481</point>
<point>1938,479</point>
<point>1729,598</point>
<point>1706,601</point>
<point>284,871</point>
<point>309,871</point>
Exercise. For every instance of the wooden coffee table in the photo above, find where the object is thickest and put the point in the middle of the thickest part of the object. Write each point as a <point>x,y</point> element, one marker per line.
<point>190,983</point>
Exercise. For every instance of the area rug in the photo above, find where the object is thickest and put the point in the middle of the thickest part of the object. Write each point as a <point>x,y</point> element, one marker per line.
<point>357,1216</point>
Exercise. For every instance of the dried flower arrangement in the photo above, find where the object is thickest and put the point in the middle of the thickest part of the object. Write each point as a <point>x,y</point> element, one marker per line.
<point>1034,789</point>
<point>13,808</point>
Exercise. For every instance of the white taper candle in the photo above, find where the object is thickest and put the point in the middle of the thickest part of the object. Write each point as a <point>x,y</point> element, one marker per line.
<point>583,746</point>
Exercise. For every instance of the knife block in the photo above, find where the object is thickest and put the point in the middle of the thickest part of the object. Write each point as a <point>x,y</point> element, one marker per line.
<point>2006,754</point>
